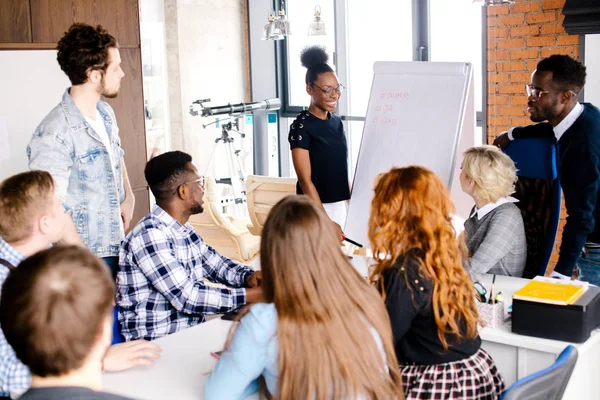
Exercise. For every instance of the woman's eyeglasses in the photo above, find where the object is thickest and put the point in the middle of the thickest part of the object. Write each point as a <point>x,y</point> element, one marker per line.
<point>329,91</point>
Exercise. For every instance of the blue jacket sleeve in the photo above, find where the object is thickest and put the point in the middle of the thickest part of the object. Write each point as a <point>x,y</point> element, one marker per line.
<point>581,187</point>
<point>541,130</point>
<point>242,363</point>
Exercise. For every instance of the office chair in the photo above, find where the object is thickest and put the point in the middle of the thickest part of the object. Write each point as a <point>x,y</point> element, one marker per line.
<point>547,384</point>
<point>117,336</point>
<point>539,194</point>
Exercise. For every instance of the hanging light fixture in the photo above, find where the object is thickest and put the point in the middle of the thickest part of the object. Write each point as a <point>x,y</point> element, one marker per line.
<point>317,26</point>
<point>282,22</point>
<point>271,31</point>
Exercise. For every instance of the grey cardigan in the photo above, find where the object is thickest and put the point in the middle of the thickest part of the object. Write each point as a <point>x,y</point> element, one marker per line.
<point>496,242</point>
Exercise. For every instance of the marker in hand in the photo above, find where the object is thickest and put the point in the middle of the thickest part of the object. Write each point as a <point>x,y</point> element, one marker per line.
<point>351,241</point>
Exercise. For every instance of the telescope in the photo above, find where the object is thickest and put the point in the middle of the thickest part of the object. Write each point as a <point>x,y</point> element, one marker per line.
<point>231,109</point>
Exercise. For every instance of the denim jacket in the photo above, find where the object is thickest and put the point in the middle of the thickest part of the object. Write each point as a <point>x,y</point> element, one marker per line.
<point>88,182</point>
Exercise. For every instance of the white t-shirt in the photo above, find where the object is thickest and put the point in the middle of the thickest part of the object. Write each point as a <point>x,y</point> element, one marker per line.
<point>99,127</point>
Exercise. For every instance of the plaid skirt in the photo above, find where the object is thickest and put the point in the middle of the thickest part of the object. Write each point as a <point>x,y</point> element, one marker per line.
<point>472,378</point>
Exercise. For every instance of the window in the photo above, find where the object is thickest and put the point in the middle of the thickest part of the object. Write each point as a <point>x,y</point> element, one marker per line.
<point>379,30</point>
<point>452,41</point>
<point>303,14</point>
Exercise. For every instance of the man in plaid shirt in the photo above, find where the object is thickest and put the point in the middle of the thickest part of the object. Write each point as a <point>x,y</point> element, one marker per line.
<point>164,263</point>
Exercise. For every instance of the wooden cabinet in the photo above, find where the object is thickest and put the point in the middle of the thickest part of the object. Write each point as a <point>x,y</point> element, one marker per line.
<point>15,22</point>
<point>51,18</point>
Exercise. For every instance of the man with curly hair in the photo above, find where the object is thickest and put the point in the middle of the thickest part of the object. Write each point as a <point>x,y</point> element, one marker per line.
<point>78,142</point>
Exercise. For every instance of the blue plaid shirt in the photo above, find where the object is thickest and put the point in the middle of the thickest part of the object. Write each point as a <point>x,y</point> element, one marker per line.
<point>14,376</point>
<point>160,284</point>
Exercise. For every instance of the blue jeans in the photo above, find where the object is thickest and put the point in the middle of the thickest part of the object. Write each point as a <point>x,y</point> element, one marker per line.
<point>113,265</point>
<point>589,264</point>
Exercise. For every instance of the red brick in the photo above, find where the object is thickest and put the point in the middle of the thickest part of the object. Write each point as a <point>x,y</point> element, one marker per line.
<point>552,4</point>
<point>511,110</point>
<point>491,67</point>
<point>498,100</point>
<point>498,32</point>
<point>568,40</point>
<point>492,21</point>
<point>495,130</point>
<point>548,51</point>
<point>576,52</point>
<point>511,66</point>
<point>520,121</point>
<point>523,77</point>
<point>497,10</point>
<point>552,29</point>
<point>530,30</point>
<point>519,100</point>
<point>492,88</point>
<point>499,120</point>
<point>491,44</point>
<point>510,88</point>
<point>543,17</point>
<point>541,41</point>
<point>531,65</point>
<point>510,43</point>
<point>527,6</point>
<point>524,54</point>
<point>495,78</point>
<point>500,55</point>
<point>510,20</point>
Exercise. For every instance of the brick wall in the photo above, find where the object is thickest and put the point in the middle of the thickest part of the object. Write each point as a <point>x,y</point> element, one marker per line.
<point>519,35</point>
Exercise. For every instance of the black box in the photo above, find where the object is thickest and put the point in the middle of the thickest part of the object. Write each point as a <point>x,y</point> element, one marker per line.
<point>572,323</point>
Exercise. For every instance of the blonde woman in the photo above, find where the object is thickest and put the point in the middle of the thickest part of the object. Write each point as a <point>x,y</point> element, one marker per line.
<point>494,232</point>
<point>428,294</point>
<point>322,333</point>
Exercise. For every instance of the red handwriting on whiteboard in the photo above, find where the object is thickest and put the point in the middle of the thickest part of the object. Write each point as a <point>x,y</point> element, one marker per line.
<point>386,108</point>
<point>384,121</point>
<point>393,95</point>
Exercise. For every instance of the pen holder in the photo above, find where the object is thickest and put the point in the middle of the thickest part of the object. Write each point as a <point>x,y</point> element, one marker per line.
<point>492,315</point>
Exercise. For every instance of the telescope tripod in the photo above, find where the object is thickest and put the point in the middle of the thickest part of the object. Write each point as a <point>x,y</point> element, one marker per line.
<point>237,176</point>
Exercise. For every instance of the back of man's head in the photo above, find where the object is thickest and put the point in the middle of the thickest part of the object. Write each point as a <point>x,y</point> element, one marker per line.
<point>23,199</point>
<point>56,309</point>
<point>165,172</point>
<point>567,73</point>
<point>83,48</point>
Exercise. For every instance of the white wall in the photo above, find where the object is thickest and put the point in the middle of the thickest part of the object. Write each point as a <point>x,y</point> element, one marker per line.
<point>32,84</point>
<point>592,62</point>
<point>212,53</point>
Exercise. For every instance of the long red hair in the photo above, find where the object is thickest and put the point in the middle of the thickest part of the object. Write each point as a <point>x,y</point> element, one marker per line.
<point>411,216</point>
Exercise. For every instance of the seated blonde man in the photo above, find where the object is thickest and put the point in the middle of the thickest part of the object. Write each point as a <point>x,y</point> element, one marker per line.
<point>56,313</point>
<point>494,232</point>
<point>32,219</point>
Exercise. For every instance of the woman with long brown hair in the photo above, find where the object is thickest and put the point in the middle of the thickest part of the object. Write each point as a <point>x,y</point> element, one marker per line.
<point>323,331</point>
<point>428,294</point>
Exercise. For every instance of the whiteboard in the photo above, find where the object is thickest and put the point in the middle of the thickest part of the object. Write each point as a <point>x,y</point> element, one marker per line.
<point>415,117</point>
<point>32,83</point>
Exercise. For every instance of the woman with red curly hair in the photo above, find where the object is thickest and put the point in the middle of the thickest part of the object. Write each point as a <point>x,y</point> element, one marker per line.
<point>428,294</point>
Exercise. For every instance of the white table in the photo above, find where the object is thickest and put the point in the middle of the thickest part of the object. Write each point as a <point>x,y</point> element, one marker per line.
<point>182,369</point>
<point>518,356</point>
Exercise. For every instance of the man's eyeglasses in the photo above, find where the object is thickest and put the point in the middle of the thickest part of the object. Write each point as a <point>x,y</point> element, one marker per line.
<point>537,93</point>
<point>329,91</point>
<point>199,180</point>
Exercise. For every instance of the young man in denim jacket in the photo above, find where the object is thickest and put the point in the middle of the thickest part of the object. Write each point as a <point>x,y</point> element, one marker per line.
<point>78,142</point>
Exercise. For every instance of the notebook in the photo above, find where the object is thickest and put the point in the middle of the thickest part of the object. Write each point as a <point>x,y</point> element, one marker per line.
<point>551,292</point>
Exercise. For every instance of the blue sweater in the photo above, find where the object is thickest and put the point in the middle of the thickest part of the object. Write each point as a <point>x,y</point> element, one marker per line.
<point>579,174</point>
